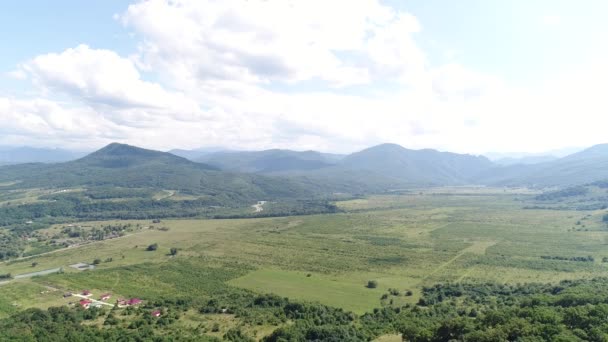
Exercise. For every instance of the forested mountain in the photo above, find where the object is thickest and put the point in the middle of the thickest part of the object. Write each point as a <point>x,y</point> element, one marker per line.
<point>423,167</point>
<point>525,160</point>
<point>272,173</point>
<point>196,154</point>
<point>582,167</point>
<point>122,165</point>
<point>270,161</point>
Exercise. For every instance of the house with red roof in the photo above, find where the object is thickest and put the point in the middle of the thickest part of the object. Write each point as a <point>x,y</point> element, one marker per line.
<point>121,302</point>
<point>156,313</point>
<point>85,303</point>
<point>105,296</point>
<point>134,301</point>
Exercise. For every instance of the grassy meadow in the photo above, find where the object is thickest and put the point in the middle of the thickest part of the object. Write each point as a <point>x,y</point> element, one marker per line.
<point>403,242</point>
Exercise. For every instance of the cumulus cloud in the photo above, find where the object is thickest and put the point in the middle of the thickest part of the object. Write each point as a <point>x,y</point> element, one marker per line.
<point>48,123</point>
<point>340,42</point>
<point>300,74</point>
<point>101,78</point>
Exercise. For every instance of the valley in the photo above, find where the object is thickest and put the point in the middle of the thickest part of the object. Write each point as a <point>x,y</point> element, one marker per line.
<point>406,242</point>
<point>355,248</point>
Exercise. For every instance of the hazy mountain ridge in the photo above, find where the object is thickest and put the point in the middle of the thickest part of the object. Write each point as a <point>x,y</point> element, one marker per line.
<point>294,173</point>
<point>269,161</point>
<point>25,154</point>
<point>529,160</point>
<point>582,167</point>
<point>426,166</point>
<point>122,165</point>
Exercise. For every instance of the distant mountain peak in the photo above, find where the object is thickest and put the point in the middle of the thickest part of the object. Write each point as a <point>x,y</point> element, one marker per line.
<point>386,146</point>
<point>595,151</point>
<point>118,149</point>
<point>116,155</point>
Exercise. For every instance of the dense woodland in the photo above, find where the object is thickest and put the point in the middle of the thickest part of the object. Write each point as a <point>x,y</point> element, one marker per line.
<point>569,311</point>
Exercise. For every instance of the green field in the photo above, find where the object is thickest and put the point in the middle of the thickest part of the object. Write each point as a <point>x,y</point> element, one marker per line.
<point>403,242</point>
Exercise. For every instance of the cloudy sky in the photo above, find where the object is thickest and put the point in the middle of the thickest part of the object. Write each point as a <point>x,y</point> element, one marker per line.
<point>466,76</point>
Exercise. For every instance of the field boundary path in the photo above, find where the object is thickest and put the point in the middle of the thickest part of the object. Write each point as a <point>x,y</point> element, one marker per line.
<point>31,274</point>
<point>478,247</point>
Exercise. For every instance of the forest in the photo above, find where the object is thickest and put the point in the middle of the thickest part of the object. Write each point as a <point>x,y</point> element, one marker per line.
<point>568,311</point>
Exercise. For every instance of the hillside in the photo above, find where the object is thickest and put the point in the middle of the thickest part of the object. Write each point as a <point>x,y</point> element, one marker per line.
<point>270,161</point>
<point>525,160</point>
<point>417,167</point>
<point>120,165</point>
<point>582,167</point>
<point>196,154</point>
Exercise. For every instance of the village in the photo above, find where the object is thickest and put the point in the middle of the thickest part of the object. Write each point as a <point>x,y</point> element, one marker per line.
<point>87,301</point>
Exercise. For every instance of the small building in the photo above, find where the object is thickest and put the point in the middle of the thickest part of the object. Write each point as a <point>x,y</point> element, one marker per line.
<point>105,296</point>
<point>86,293</point>
<point>67,294</point>
<point>156,313</point>
<point>121,302</point>
<point>85,303</point>
<point>134,301</point>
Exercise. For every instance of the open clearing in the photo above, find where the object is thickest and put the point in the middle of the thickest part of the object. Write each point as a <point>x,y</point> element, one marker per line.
<point>401,241</point>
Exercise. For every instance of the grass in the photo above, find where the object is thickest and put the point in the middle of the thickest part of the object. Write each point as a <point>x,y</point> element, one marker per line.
<point>25,293</point>
<point>402,241</point>
<point>338,291</point>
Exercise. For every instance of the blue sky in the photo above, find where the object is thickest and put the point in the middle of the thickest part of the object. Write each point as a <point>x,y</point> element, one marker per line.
<point>464,76</point>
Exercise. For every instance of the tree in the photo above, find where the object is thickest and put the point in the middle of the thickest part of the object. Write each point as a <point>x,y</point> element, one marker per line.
<point>152,247</point>
<point>96,261</point>
<point>34,264</point>
<point>173,251</point>
<point>372,284</point>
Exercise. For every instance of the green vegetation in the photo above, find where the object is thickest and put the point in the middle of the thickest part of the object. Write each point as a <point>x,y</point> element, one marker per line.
<point>445,264</point>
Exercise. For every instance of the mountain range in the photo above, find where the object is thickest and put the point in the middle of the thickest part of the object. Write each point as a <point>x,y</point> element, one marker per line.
<point>284,173</point>
<point>119,165</point>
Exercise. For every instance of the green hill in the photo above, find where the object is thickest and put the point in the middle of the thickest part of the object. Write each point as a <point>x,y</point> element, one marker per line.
<point>118,165</point>
<point>583,167</point>
<point>417,167</point>
<point>270,161</point>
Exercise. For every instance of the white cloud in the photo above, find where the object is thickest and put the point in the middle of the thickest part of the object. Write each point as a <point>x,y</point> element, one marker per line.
<point>50,123</point>
<point>17,74</point>
<point>263,41</point>
<point>551,20</point>
<point>335,76</point>
<point>101,78</point>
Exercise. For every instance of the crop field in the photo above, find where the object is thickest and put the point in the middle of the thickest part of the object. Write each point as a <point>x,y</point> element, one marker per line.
<point>402,242</point>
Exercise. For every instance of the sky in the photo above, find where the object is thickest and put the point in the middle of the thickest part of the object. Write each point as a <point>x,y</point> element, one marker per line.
<point>469,76</point>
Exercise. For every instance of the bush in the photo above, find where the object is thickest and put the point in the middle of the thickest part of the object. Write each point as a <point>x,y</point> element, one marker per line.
<point>152,247</point>
<point>372,284</point>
